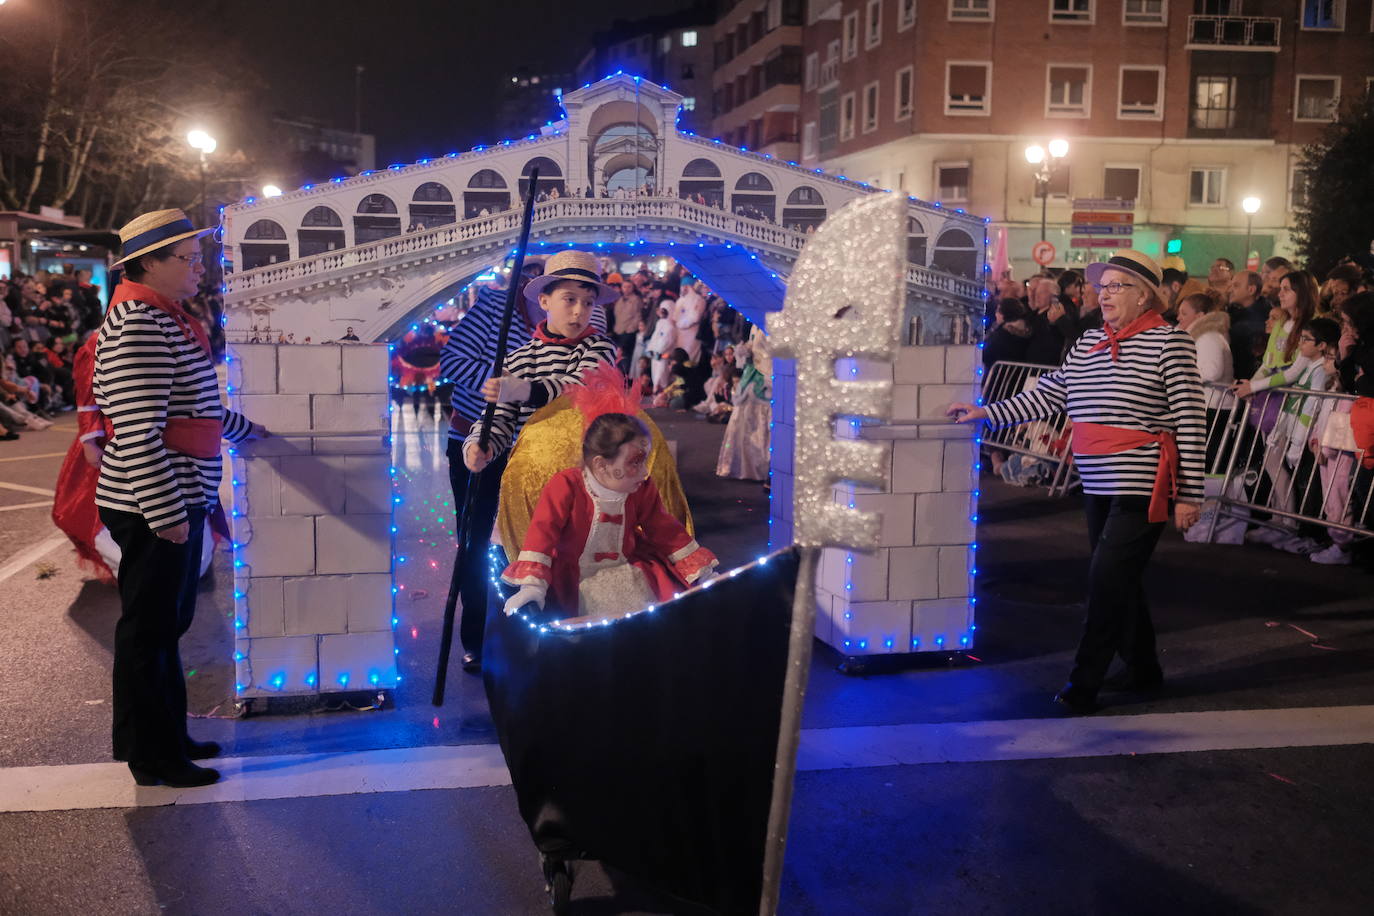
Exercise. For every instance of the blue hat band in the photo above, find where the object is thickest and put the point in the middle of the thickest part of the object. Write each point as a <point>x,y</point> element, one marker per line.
<point>151,238</point>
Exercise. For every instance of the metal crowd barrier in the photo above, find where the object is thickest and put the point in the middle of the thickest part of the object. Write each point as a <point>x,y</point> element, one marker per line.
<point>1043,441</point>
<point>1285,459</point>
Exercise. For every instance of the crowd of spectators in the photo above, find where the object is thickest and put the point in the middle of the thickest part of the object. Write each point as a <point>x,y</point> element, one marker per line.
<point>1255,331</point>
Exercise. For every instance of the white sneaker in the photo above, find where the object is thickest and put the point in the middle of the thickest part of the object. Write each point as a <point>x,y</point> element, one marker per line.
<point>1335,555</point>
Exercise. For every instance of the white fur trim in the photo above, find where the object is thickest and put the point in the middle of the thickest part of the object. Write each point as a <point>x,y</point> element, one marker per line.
<point>680,555</point>
<point>534,556</point>
<point>97,434</point>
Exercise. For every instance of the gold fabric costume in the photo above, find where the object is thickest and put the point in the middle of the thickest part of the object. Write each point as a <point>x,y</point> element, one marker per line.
<point>551,442</point>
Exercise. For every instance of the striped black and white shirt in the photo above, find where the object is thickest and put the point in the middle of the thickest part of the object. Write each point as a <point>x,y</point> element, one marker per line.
<point>468,357</point>
<point>1153,386</point>
<point>146,371</point>
<point>550,365</point>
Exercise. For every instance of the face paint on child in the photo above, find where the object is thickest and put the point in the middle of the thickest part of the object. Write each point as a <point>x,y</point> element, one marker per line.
<point>628,470</point>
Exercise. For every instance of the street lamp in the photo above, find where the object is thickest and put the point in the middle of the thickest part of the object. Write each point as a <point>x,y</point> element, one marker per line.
<point>1251,206</point>
<point>1047,162</point>
<point>271,190</point>
<point>205,145</point>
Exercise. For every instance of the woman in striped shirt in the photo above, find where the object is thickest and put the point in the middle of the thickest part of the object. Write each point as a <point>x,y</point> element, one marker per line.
<point>156,385</point>
<point>1133,393</point>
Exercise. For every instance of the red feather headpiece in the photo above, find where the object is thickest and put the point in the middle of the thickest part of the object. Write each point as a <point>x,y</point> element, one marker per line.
<point>603,390</point>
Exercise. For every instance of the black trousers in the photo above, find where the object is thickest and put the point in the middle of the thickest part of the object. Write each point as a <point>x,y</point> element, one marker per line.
<point>157,593</point>
<point>1122,540</point>
<point>475,584</point>
<point>626,343</point>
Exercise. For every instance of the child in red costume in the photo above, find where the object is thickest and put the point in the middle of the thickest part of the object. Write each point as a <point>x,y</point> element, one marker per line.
<point>74,511</point>
<point>600,538</point>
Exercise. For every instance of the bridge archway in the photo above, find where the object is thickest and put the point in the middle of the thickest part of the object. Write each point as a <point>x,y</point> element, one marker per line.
<point>375,220</point>
<point>550,177</point>
<point>754,194</point>
<point>955,253</point>
<point>804,210</point>
<point>916,241</point>
<point>432,205</point>
<point>614,133</point>
<point>321,230</point>
<point>487,190</point>
<point>265,243</point>
<point>702,176</point>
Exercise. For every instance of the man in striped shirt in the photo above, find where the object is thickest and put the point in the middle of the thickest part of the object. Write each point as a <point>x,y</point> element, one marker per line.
<point>467,361</point>
<point>1133,393</point>
<point>156,385</point>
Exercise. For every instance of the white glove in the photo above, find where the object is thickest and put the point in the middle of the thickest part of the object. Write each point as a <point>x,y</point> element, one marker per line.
<point>513,388</point>
<point>527,594</point>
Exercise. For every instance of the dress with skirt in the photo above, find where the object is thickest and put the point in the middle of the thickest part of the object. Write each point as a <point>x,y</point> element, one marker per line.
<point>744,451</point>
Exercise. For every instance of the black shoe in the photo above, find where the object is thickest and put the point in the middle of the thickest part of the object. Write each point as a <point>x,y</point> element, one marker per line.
<point>9,437</point>
<point>1133,681</point>
<point>472,662</point>
<point>202,750</point>
<point>179,774</point>
<point>1075,702</point>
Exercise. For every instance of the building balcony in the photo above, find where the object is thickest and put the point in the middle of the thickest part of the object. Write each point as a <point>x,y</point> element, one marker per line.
<point>1233,33</point>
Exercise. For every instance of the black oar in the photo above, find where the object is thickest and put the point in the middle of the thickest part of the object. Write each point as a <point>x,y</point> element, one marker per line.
<point>474,480</point>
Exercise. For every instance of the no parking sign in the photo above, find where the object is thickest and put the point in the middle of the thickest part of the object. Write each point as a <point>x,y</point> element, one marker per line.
<point>1043,253</point>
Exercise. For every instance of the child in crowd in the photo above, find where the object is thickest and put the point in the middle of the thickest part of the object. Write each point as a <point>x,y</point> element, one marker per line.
<point>643,383</point>
<point>600,538</point>
<point>1288,461</point>
<point>719,389</point>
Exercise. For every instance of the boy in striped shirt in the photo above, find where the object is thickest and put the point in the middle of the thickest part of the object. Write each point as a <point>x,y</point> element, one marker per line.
<point>570,341</point>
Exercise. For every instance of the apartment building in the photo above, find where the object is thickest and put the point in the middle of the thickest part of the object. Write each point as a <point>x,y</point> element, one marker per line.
<point>1185,107</point>
<point>757,55</point>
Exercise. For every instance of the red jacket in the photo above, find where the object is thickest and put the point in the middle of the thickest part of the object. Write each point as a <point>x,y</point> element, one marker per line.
<point>575,533</point>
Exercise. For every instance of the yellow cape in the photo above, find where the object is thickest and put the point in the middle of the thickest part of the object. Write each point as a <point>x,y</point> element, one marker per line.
<point>551,442</point>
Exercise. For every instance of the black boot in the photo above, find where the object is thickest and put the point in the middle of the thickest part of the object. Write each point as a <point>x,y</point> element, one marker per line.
<point>179,774</point>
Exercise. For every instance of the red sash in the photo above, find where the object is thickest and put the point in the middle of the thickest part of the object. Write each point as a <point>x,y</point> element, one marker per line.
<point>198,437</point>
<point>1100,439</point>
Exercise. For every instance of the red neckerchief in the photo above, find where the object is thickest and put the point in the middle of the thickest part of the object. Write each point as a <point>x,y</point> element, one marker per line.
<point>188,323</point>
<point>543,333</point>
<point>1147,319</point>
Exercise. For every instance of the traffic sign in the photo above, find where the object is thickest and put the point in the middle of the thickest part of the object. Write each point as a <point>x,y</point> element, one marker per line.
<point>1100,243</point>
<point>1103,229</point>
<point>1088,216</point>
<point>1102,203</point>
<point>1043,253</point>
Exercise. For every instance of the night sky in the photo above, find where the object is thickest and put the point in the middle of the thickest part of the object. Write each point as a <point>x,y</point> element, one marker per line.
<point>433,66</point>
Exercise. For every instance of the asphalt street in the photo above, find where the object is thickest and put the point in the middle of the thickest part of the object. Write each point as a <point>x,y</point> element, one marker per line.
<point>1137,810</point>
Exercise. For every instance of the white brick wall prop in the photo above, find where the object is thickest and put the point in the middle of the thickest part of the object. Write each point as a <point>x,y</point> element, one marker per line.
<point>915,593</point>
<point>312,522</point>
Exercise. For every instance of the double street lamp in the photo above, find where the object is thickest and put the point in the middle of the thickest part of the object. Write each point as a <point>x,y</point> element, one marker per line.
<point>205,144</point>
<point>1251,206</point>
<point>1047,162</point>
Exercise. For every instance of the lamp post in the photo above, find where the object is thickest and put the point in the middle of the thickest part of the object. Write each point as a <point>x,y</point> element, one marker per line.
<point>1251,206</point>
<point>205,145</point>
<point>1047,165</point>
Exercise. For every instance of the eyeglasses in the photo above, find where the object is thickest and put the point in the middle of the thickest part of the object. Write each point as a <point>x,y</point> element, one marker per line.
<point>1307,338</point>
<point>1113,287</point>
<point>192,259</point>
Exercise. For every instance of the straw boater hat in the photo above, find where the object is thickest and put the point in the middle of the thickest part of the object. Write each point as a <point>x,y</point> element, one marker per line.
<point>1137,263</point>
<point>155,230</point>
<point>572,265</point>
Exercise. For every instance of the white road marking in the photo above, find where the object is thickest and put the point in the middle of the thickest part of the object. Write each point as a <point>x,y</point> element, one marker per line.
<point>109,785</point>
<point>32,457</point>
<point>23,489</point>
<point>36,552</point>
<point>45,502</point>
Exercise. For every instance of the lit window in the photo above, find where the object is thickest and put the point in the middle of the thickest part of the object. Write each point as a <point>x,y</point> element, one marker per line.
<point>1318,98</point>
<point>1323,14</point>
<point>689,103</point>
<point>1298,189</point>
<point>1214,102</point>
<point>689,39</point>
<point>1206,187</point>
